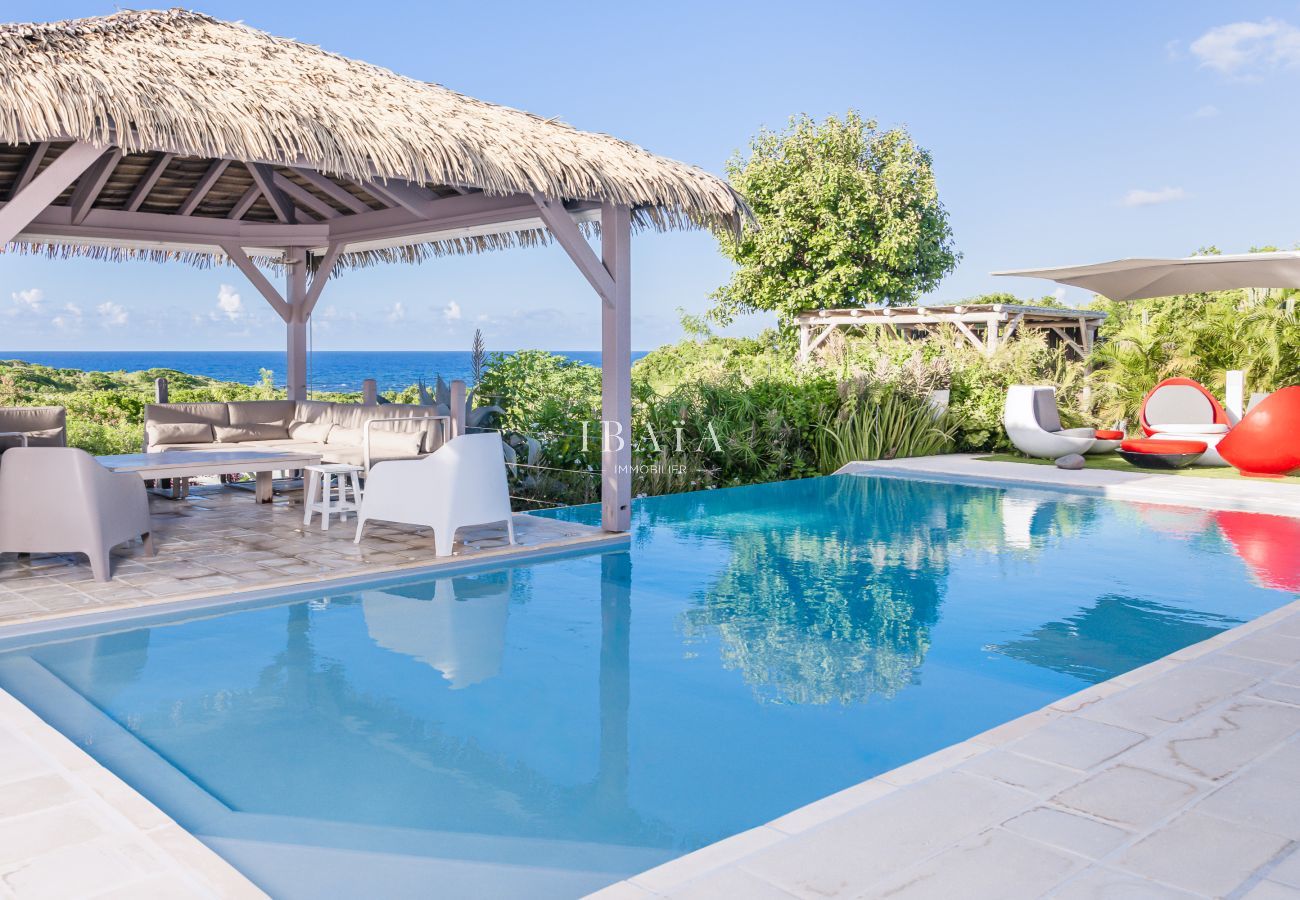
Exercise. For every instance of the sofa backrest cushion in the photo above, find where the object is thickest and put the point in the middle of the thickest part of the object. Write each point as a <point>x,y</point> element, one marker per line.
<point>316,432</point>
<point>179,433</point>
<point>354,416</point>
<point>32,418</point>
<point>236,434</point>
<point>211,413</point>
<point>395,443</point>
<point>262,412</point>
<point>348,437</point>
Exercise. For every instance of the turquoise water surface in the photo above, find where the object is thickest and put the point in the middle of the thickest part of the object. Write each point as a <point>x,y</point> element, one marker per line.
<point>544,729</point>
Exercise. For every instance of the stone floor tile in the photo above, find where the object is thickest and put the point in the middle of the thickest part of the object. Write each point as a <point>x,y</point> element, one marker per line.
<point>1039,778</point>
<point>161,887</point>
<point>1128,797</point>
<point>1098,883</point>
<point>26,837</point>
<point>1168,699</point>
<point>1218,743</point>
<point>1268,646</point>
<point>831,807</point>
<point>1075,833</point>
<point>1287,871</point>
<point>728,884</point>
<point>1201,853</point>
<point>677,872</point>
<point>899,829</point>
<point>1076,742</point>
<point>1258,798</point>
<point>979,869</point>
<point>70,872</point>
<point>17,798</point>
<point>1278,692</point>
<point>1271,890</point>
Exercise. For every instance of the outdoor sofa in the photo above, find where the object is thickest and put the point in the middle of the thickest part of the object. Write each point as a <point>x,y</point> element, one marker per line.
<point>33,426</point>
<point>340,432</point>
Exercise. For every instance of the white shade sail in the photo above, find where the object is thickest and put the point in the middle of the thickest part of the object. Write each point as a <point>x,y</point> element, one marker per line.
<point>1137,279</point>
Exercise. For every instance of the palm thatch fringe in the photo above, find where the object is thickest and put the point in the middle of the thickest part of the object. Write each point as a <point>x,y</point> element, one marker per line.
<point>186,83</point>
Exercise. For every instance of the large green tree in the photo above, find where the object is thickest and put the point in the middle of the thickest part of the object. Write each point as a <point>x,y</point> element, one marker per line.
<point>849,216</point>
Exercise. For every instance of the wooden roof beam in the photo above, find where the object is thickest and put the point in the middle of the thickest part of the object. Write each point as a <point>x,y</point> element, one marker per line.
<point>335,192</point>
<point>245,203</point>
<point>304,198</point>
<point>92,182</point>
<point>28,169</point>
<point>264,178</point>
<point>410,197</point>
<point>146,184</point>
<point>44,189</point>
<point>215,171</point>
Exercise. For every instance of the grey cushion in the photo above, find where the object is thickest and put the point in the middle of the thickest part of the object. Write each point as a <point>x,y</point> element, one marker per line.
<point>316,432</point>
<point>1179,404</point>
<point>163,433</point>
<point>238,434</point>
<point>261,412</point>
<point>212,413</point>
<point>398,444</point>
<point>1045,409</point>
<point>348,437</point>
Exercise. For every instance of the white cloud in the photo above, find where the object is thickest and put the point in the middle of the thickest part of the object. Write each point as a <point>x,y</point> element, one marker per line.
<point>1249,48</point>
<point>31,299</point>
<point>229,304</point>
<point>68,319</point>
<point>1059,294</point>
<point>396,312</point>
<point>1209,111</point>
<point>113,315</point>
<point>451,312</point>
<point>1140,197</point>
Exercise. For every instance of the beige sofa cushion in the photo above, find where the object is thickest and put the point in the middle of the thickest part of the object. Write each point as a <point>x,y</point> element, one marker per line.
<point>238,434</point>
<point>179,433</point>
<point>212,413</point>
<point>347,437</point>
<point>394,444</point>
<point>317,432</point>
<point>263,412</point>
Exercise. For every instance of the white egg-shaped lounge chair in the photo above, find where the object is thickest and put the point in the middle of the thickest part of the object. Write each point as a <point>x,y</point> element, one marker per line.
<point>1034,425</point>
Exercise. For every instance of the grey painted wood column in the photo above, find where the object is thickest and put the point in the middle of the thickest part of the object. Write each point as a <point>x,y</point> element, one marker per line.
<point>616,370</point>
<point>296,326</point>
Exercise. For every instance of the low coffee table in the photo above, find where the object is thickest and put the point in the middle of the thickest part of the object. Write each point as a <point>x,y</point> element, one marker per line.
<point>193,463</point>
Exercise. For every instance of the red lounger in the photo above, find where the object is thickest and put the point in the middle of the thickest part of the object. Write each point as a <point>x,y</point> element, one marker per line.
<point>1266,441</point>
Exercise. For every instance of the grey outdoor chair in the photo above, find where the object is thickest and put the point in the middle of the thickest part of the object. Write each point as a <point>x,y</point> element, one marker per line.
<point>60,500</point>
<point>33,426</point>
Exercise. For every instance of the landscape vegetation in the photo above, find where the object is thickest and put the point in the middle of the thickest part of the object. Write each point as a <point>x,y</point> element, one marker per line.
<point>849,216</point>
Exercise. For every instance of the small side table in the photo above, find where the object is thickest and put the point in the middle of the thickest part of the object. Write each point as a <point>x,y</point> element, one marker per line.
<point>327,490</point>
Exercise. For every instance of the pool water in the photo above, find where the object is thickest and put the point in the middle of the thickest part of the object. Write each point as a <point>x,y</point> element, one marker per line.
<point>547,728</point>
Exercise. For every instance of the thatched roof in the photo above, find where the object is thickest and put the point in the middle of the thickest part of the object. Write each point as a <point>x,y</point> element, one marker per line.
<point>177,92</point>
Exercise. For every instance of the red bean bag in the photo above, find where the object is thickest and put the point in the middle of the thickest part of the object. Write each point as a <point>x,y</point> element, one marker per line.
<point>1266,442</point>
<point>1142,445</point>
<point>1157,454</point>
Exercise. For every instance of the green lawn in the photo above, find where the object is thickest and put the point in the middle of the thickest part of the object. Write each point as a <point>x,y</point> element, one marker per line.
<point>1116,463</point>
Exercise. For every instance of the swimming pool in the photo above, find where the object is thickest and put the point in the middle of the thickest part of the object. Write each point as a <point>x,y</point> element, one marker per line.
<point>547,728</point>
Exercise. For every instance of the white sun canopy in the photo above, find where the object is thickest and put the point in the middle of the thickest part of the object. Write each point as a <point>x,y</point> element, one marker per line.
<point>1137,279</point>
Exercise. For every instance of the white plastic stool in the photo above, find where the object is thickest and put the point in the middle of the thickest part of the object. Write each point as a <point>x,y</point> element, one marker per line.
<point>323,481</point>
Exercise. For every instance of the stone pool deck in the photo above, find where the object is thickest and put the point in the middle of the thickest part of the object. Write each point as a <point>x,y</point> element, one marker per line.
<point>218,540</point>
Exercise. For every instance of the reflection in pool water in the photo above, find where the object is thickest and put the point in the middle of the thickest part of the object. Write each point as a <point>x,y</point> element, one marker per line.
<point>547,728</point>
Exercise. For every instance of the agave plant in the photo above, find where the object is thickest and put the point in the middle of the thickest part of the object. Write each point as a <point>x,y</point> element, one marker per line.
<point>440,400</point>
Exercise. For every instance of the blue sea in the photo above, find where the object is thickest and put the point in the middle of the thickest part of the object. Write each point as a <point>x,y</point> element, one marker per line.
<point>328,370</point>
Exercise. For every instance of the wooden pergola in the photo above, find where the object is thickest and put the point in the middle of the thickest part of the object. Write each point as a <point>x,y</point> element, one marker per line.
<point>985,325</point>
<point>175,136</point>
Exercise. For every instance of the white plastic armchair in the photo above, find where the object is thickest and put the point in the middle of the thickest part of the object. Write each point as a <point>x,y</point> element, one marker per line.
<point>1034,426</point>
<point>463,483</point>
<point>60,500</point>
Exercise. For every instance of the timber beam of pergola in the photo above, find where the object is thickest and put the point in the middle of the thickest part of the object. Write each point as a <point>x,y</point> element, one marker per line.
<point>986,326</point>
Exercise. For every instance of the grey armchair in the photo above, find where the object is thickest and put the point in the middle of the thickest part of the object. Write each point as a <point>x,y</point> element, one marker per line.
<point>33,426</point>
<point>60,500</point>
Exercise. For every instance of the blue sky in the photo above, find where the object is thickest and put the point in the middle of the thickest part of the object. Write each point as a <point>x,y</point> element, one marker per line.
<point>1061,133</point>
